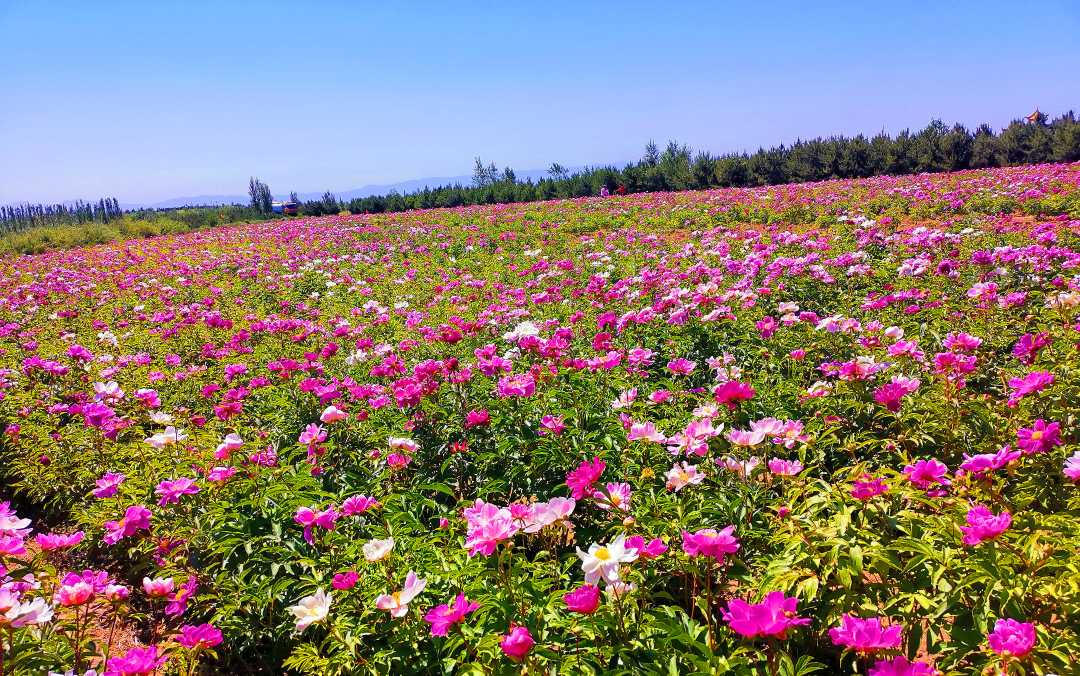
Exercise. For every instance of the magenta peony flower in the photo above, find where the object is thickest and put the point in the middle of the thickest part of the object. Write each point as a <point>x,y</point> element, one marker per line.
<point>1011,638</point>
<point>477,418</point>
<point>890,395</point>
<point>581,479</point>
<point>901,666</point>
<point>709,542</point>
<point>647,550</point>
<point>772,617</point>
<point>346,580</point>
<point>865,635</point>
<point>681,366</point>
<point>523,385</point>
<point>781,467</point>
<point>985,463</point>
<point>1038,438</point>
<point>732,392</point>
<point>51,541</point>
<point>177,604</point>
<point>171,491</point>
<point>585,599</point>
<point>552,425</point>
<point>108,484</point>
<point>1034,382</point>
<point>136,661</point>
<point>927,473</point>
<point>135,518</point>
<point>984,525</point>
<point>868,488</point>
<point>444,616</point>
<point>615,495</point>
<point>310,518</point>
<point>1072,467</point>
<point>487,525</point>
<point>199,636</point>
<point>517,643</point>
<point>358,504</point>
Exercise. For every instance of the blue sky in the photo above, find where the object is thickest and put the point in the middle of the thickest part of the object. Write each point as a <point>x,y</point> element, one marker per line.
<point>151,100</point>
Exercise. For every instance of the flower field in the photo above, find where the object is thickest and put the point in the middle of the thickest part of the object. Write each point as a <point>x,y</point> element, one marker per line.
<point>827,427</point>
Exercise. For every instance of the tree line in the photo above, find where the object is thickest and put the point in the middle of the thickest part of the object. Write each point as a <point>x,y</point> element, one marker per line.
<point>935,148</point>
<point>24,216</point>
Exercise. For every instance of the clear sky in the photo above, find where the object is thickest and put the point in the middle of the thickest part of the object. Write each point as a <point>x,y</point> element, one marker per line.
<point>149,100</point>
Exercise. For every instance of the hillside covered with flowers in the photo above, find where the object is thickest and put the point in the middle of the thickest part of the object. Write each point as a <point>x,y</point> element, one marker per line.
<point>825,427</point>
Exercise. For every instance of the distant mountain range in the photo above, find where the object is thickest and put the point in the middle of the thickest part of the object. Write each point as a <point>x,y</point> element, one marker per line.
<point>345,195</point>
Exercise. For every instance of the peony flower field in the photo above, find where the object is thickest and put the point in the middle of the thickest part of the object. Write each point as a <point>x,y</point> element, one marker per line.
<point>818,428</point>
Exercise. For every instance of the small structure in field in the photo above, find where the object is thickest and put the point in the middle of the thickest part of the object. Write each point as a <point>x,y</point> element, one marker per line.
<point>289,208</point>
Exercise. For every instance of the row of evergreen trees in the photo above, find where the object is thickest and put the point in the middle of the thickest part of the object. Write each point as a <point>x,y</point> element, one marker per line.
<point>936,148</point>
<point>24,216</point>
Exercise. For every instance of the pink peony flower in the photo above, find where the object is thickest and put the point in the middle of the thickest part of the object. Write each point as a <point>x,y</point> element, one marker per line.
<point>1038,438</point>
<point>865,635</point>
<point>477,418</point>
<point>552,425</point>
<point>585,599</point>
<point>891,394</point>
<point>732,392</point>
<point>926,473</point>
<point>51,541</point>
<point>711,543</point>
<point>581,480</point>
<point>984,525</point>
<point>517,643</point>
<point>785,467</point>
<point>1032,383</point>
<point>1072,467</point>
<point>523,385</point>
<point>171,491</point>
<point>616,496</point>
<point>901,666</point>
<point>199,636</point>
<point>108,484</point>
<point>646,550</point>
<point>645,431</point>
<point>332,414</point>
<point>358,504</point>
<point>985,463</point>
<point>868,487</point>
<point>135,518</point>
<point>1011,638</point>
<point>135,662</point>
<point>158,587</point>
<point>681,366</point>
<point>772,617</point>
<point>746,438</point>
<point>346,580</point>
<point>74,593</point>
<point>310,518</point>
<point>486,526</point>
<point>682,475</point>
<point>444,616</point>
<point>398,602</point>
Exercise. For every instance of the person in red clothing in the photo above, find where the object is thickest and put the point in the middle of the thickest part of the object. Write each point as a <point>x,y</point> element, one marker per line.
<point>621,190</point>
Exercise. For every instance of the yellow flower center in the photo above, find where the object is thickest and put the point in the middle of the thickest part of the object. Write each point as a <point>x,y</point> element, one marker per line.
<point>1036,435</point>
<point>603,554</point>
<point>397,598</point>
<point>683,476</point>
